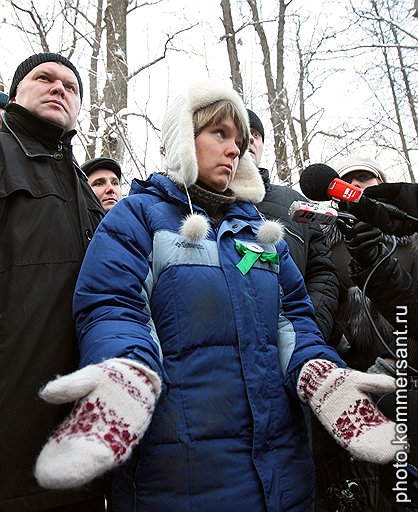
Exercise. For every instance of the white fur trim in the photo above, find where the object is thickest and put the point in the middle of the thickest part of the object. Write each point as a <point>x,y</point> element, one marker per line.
<point>271,232</point>
<point>247,183</point>
<point>195,227</point>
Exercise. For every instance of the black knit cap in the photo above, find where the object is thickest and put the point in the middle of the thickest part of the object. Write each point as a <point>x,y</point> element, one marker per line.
<point>255,122</point>
<point>102,163</point>
<point>31,62</point>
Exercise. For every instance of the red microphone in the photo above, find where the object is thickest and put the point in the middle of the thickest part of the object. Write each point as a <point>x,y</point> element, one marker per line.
<point>320,183</point>
<point>339,189</point>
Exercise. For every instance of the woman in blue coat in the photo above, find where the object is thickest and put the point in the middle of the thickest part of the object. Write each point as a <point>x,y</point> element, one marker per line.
<point>198,341</point>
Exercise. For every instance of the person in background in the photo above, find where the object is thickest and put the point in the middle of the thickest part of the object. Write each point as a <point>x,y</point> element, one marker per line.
<point>392,288</point>
<point>4,99</point>
<point>48,214</point>
<point>104,176</point>
<point>356,249</point>
<point>401,286</point>
<point>199,342</point>
<point>306,242</point>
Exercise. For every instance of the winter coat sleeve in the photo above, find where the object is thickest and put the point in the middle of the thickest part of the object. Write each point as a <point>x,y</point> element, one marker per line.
<point>112,295</point>
<point>299,337</point>
<point>321,281</point>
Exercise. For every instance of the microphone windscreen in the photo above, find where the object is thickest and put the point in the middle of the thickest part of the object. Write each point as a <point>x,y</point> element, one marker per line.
<point>315,180</point>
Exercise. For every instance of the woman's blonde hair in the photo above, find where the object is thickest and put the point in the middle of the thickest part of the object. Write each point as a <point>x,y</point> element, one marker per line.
<point>215,114</point>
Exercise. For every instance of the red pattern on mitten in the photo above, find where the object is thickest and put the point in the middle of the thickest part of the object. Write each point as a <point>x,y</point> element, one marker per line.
<point>339,398</point>
<point>116,400</point>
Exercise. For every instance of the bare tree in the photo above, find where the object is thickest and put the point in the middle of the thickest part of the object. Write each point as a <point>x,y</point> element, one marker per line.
<point>290,131</point>
<point>116,88</point>
<point>379,20</point>
<point>232,46</point>
<point>95,44</point>
<point>276,93</point>
<point>278,66</point>
<point>296,119</point>
<point>405,78</point>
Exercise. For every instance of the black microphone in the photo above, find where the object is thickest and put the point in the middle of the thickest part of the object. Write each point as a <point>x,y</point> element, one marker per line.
<point>315,180</point>
<point>320,182</point>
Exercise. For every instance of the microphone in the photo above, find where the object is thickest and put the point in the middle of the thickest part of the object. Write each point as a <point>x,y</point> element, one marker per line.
<point>313,213</point>
<point>320,182</point>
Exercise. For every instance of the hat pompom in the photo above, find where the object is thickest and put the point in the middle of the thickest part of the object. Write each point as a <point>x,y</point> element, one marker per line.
<point>271,232</point>
<point>195,227</point>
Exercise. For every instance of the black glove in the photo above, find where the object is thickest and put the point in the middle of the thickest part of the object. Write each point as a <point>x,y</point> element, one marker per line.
<point>363,242</point>
<point>401,195</point>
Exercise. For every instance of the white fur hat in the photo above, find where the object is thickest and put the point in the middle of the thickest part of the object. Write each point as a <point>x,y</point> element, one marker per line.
<point>178,140</point>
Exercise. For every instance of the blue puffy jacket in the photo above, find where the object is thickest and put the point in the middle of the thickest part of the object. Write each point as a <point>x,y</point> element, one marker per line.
<point>228,432</point>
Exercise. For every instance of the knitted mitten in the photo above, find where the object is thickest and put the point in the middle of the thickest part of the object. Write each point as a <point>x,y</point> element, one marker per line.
<point>339,398</point>
<point>116,400</point>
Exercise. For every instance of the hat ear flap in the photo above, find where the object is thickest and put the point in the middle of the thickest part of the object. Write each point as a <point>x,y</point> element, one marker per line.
<point>179,143</point>
<point>247,183</point>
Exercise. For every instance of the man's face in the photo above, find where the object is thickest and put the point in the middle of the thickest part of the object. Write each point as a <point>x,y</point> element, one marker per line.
<point>51,91</point>
<point>256,145</point>
<point>106,186</point>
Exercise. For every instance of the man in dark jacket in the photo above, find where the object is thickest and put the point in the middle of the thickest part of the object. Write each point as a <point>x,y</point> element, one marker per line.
<point>48,214</point>
<point>306,242</point>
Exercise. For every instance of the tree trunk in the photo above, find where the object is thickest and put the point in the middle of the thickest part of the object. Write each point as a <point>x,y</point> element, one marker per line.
<point>232,47</point>
<point>116,87</point>
<point>275,92</point>
<point>394,98</point>
<point>93,82</point>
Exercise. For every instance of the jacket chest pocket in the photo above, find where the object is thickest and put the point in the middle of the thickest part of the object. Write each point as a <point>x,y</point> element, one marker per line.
<point>36,230</point>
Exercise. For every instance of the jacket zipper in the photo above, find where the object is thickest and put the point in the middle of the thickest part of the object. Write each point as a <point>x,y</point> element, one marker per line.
<point>294,235</point>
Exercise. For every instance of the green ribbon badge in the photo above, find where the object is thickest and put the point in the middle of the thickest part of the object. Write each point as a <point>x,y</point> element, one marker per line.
<point>251,253</point>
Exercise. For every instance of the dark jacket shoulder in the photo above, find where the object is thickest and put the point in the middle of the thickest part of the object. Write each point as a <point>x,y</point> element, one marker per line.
<point>308,249</point>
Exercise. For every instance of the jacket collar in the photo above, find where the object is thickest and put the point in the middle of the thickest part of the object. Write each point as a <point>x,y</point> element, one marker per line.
<point>265,177</point>
<point>163,186</point>
<point>33,131</point>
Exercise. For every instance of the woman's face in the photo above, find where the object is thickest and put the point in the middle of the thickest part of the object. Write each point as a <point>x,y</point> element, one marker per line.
<point>217,152</point>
